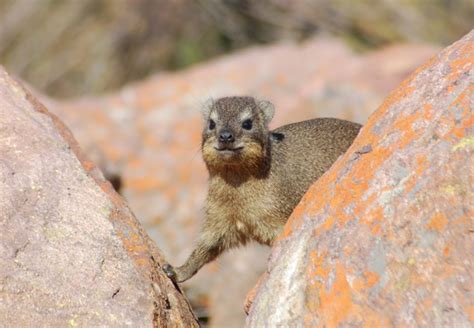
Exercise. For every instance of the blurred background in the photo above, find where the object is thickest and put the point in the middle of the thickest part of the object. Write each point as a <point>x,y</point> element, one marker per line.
<point>128,77</point>
<point>75,47</point>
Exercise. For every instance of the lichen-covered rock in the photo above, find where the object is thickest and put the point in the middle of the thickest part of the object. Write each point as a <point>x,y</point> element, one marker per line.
<point>385,237</point>
<point>71,252</point>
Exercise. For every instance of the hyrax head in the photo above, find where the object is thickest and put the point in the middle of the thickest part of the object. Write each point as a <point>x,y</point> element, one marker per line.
<point>235,131</point>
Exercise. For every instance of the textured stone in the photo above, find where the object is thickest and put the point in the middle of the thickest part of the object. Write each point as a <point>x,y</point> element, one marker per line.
<point>71,252</point>
<point>384,238</point>
<point>148,134</point>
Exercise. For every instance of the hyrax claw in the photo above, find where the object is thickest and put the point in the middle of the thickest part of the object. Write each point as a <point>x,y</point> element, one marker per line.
<point>169,271</point>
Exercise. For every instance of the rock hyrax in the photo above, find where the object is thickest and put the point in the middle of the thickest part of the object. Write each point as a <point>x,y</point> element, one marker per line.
<point>257,176</point>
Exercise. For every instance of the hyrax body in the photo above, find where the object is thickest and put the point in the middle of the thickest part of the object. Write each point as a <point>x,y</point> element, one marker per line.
<point>257,176</point>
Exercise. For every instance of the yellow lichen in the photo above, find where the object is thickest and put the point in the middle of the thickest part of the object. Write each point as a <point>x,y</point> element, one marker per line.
<point>467,142</point>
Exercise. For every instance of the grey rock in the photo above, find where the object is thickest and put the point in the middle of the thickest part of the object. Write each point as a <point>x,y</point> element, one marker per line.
<point>71,252</point>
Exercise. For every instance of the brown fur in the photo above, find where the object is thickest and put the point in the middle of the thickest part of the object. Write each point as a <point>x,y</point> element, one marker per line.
<point>253,190</point>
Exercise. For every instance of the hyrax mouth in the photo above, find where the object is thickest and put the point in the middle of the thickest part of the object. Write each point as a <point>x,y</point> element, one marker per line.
<point>227,152</point>
<point>228,149</point>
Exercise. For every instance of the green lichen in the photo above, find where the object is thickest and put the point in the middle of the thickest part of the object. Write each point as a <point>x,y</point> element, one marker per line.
<point>464,143</point>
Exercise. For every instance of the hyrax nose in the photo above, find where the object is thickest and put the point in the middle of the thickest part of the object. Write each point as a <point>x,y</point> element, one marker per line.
<point>226,136</point>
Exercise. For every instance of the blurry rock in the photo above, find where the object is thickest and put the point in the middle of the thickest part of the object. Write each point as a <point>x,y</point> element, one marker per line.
<point>71,251</point>
<point>245,267</point>
<point>148,135</point>
<point>73,48</point>
<point>385,237</point>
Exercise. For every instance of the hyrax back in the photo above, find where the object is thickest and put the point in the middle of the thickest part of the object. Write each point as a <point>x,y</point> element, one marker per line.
<point>257,176</point>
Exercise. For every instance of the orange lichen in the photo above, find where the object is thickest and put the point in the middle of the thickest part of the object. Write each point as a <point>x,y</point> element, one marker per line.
<point>467,121</point>
<point>365,170</point>
<point>421,311</point>
<point>99,117</point>
<point>281,79</point>
<point>428,111</point>
<point>405,124</point>
<point>373,319</point>
<point>134,162</point>
<point>438,222</point>
<point>143,184</point>
<point>464,60</point>
<point>373,218</point>
<point>325,226</point>
<point>421,165</point>
<point>317,269</point>
<point>110,151</point>
<point>361,207</point>
<point>372,278</point>
<point>368,280</point>
<point>88,165</point>
<point>470,313</point>
<point>358,284</point>
<point>446,251</point>
<point>336,304</point>
<point>142,262</point>
<point>376,229</point>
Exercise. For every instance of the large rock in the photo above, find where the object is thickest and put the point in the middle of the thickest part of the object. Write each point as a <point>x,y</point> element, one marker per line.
<point>71,252</point>
<point>148,136</point>
<point>385,237</point>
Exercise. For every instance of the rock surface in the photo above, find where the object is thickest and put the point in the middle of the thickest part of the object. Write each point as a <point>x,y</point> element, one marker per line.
<point>71,252</point>
<point>385,238</point>
<point>148,136</point>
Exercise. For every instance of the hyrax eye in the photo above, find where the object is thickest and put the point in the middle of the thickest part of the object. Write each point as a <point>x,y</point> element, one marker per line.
<point>247,124</point>
<point>212,125</point>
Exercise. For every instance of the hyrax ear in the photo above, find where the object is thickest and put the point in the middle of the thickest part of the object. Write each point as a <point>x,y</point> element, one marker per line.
<point>206,108</point>
<point>267,109</point>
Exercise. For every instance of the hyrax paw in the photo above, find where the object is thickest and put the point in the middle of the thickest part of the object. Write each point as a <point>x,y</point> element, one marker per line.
<point>169,271</point>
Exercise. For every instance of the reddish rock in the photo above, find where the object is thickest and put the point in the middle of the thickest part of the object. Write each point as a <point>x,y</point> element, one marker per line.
<point>71,251</point>
<point>148,134</point>
<point>385,237</point>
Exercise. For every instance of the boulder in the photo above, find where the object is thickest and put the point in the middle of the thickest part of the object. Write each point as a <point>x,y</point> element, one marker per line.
<point>146,138</point>
<point>385,237</point>
<point>71,251</point>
